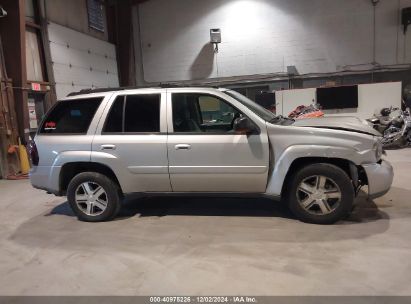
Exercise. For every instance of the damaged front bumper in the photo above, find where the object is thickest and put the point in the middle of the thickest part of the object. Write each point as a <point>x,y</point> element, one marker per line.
<point>380,177</point>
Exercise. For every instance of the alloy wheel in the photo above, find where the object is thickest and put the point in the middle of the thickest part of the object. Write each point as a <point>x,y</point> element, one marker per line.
<point>91,198</point>
<point>319,195</point>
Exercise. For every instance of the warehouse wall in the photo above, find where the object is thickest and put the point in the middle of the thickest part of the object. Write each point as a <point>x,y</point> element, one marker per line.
<point>72,14</point>
<point>266,36</point>
<point>371,98</point>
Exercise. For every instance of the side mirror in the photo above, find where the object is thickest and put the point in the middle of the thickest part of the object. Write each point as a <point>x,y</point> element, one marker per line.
<point>245,126</point>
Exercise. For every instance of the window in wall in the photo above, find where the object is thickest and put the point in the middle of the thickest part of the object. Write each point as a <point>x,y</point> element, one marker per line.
<point>30,11</point>
<point>36,109</point>
<point>33,57</point>
<point>95,11</point>
<point>202,113</point>
<point>71,116</point>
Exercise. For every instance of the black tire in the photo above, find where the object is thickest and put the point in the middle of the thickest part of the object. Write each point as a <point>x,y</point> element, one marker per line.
<point>112,192</point>
<point>408,139</point>
<point>343,205</point>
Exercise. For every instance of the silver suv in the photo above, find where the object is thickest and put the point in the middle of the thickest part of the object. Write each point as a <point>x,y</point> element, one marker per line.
<point>96,147</point>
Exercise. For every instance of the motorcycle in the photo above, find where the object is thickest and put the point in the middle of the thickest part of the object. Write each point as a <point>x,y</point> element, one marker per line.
<point>382,120</point>
<point>396,130</point>
<point>311,111</point>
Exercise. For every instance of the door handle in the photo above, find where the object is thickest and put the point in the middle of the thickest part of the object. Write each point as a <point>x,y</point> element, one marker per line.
<point>108,147</point>
<point>182,147</point>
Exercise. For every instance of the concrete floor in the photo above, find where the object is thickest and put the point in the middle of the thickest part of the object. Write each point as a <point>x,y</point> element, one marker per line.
<point>205,247</point>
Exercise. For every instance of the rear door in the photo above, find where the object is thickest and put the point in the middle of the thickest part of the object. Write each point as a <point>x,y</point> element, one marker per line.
<point>132,140</point>
<point>205,154</point>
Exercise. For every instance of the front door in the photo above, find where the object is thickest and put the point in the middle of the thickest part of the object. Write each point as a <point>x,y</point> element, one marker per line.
<point>205,154</point>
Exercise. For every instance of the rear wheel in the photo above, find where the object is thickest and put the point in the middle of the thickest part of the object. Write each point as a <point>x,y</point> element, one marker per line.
<point>320,194</point>
<point>94,197</point>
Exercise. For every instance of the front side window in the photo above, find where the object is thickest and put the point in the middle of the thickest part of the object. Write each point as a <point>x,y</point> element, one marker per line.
<point>255,107</point>
<point>202,113</point>
<point>71,116</point>
<point>134,114</point>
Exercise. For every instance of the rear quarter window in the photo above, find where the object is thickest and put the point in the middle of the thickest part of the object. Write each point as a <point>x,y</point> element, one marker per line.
<point>70,116</point>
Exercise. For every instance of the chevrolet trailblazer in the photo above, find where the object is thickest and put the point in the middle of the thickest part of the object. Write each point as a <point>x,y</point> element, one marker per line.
<point>97,146</point>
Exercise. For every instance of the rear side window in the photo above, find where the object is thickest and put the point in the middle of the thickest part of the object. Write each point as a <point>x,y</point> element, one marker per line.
<point>71,116</point>
<point>134,114</point>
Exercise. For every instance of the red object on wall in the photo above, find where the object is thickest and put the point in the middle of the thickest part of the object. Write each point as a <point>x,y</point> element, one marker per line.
<point>35,86</point>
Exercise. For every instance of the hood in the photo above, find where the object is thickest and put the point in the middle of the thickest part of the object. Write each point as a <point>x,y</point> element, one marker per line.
<point>344,123</point>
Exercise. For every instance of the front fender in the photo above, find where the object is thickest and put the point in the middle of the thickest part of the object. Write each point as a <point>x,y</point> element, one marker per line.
<point>284,161</point>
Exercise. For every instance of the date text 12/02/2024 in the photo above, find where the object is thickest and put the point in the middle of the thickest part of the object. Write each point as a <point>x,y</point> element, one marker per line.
<point>204,299</point>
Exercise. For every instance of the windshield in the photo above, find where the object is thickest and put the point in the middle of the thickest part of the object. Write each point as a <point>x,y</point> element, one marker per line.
<point>255,107</point>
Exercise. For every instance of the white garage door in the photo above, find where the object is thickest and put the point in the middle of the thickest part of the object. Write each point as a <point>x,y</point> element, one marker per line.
<point>81,61</point>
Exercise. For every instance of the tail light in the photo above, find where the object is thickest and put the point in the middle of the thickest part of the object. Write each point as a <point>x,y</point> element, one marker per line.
<point>33,153</point>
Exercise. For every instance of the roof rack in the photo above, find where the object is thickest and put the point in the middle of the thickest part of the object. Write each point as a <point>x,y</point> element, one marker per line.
<point>99,90</point>
<point>161,86</point>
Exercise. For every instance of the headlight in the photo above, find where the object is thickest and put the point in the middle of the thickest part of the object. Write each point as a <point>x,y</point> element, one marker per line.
<point>378,148</point>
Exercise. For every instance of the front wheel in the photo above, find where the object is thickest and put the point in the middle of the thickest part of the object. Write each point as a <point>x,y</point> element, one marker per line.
<point>408,138</point>
<point>320,194</point>
<point>94,197</point>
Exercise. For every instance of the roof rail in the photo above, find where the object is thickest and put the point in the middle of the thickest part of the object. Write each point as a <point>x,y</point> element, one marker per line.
<point>161,85</point>
<point>98,90</point>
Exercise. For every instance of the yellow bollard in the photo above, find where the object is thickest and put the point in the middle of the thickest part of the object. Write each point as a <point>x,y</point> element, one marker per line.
<point>24,159</point>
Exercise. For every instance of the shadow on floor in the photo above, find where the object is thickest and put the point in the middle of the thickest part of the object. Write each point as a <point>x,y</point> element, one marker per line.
<point>365,210</point>
<point>148,225</point>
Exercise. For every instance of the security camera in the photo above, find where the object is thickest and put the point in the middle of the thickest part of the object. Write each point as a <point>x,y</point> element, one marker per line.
<point>3,12</point>
<point>375,2</point>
